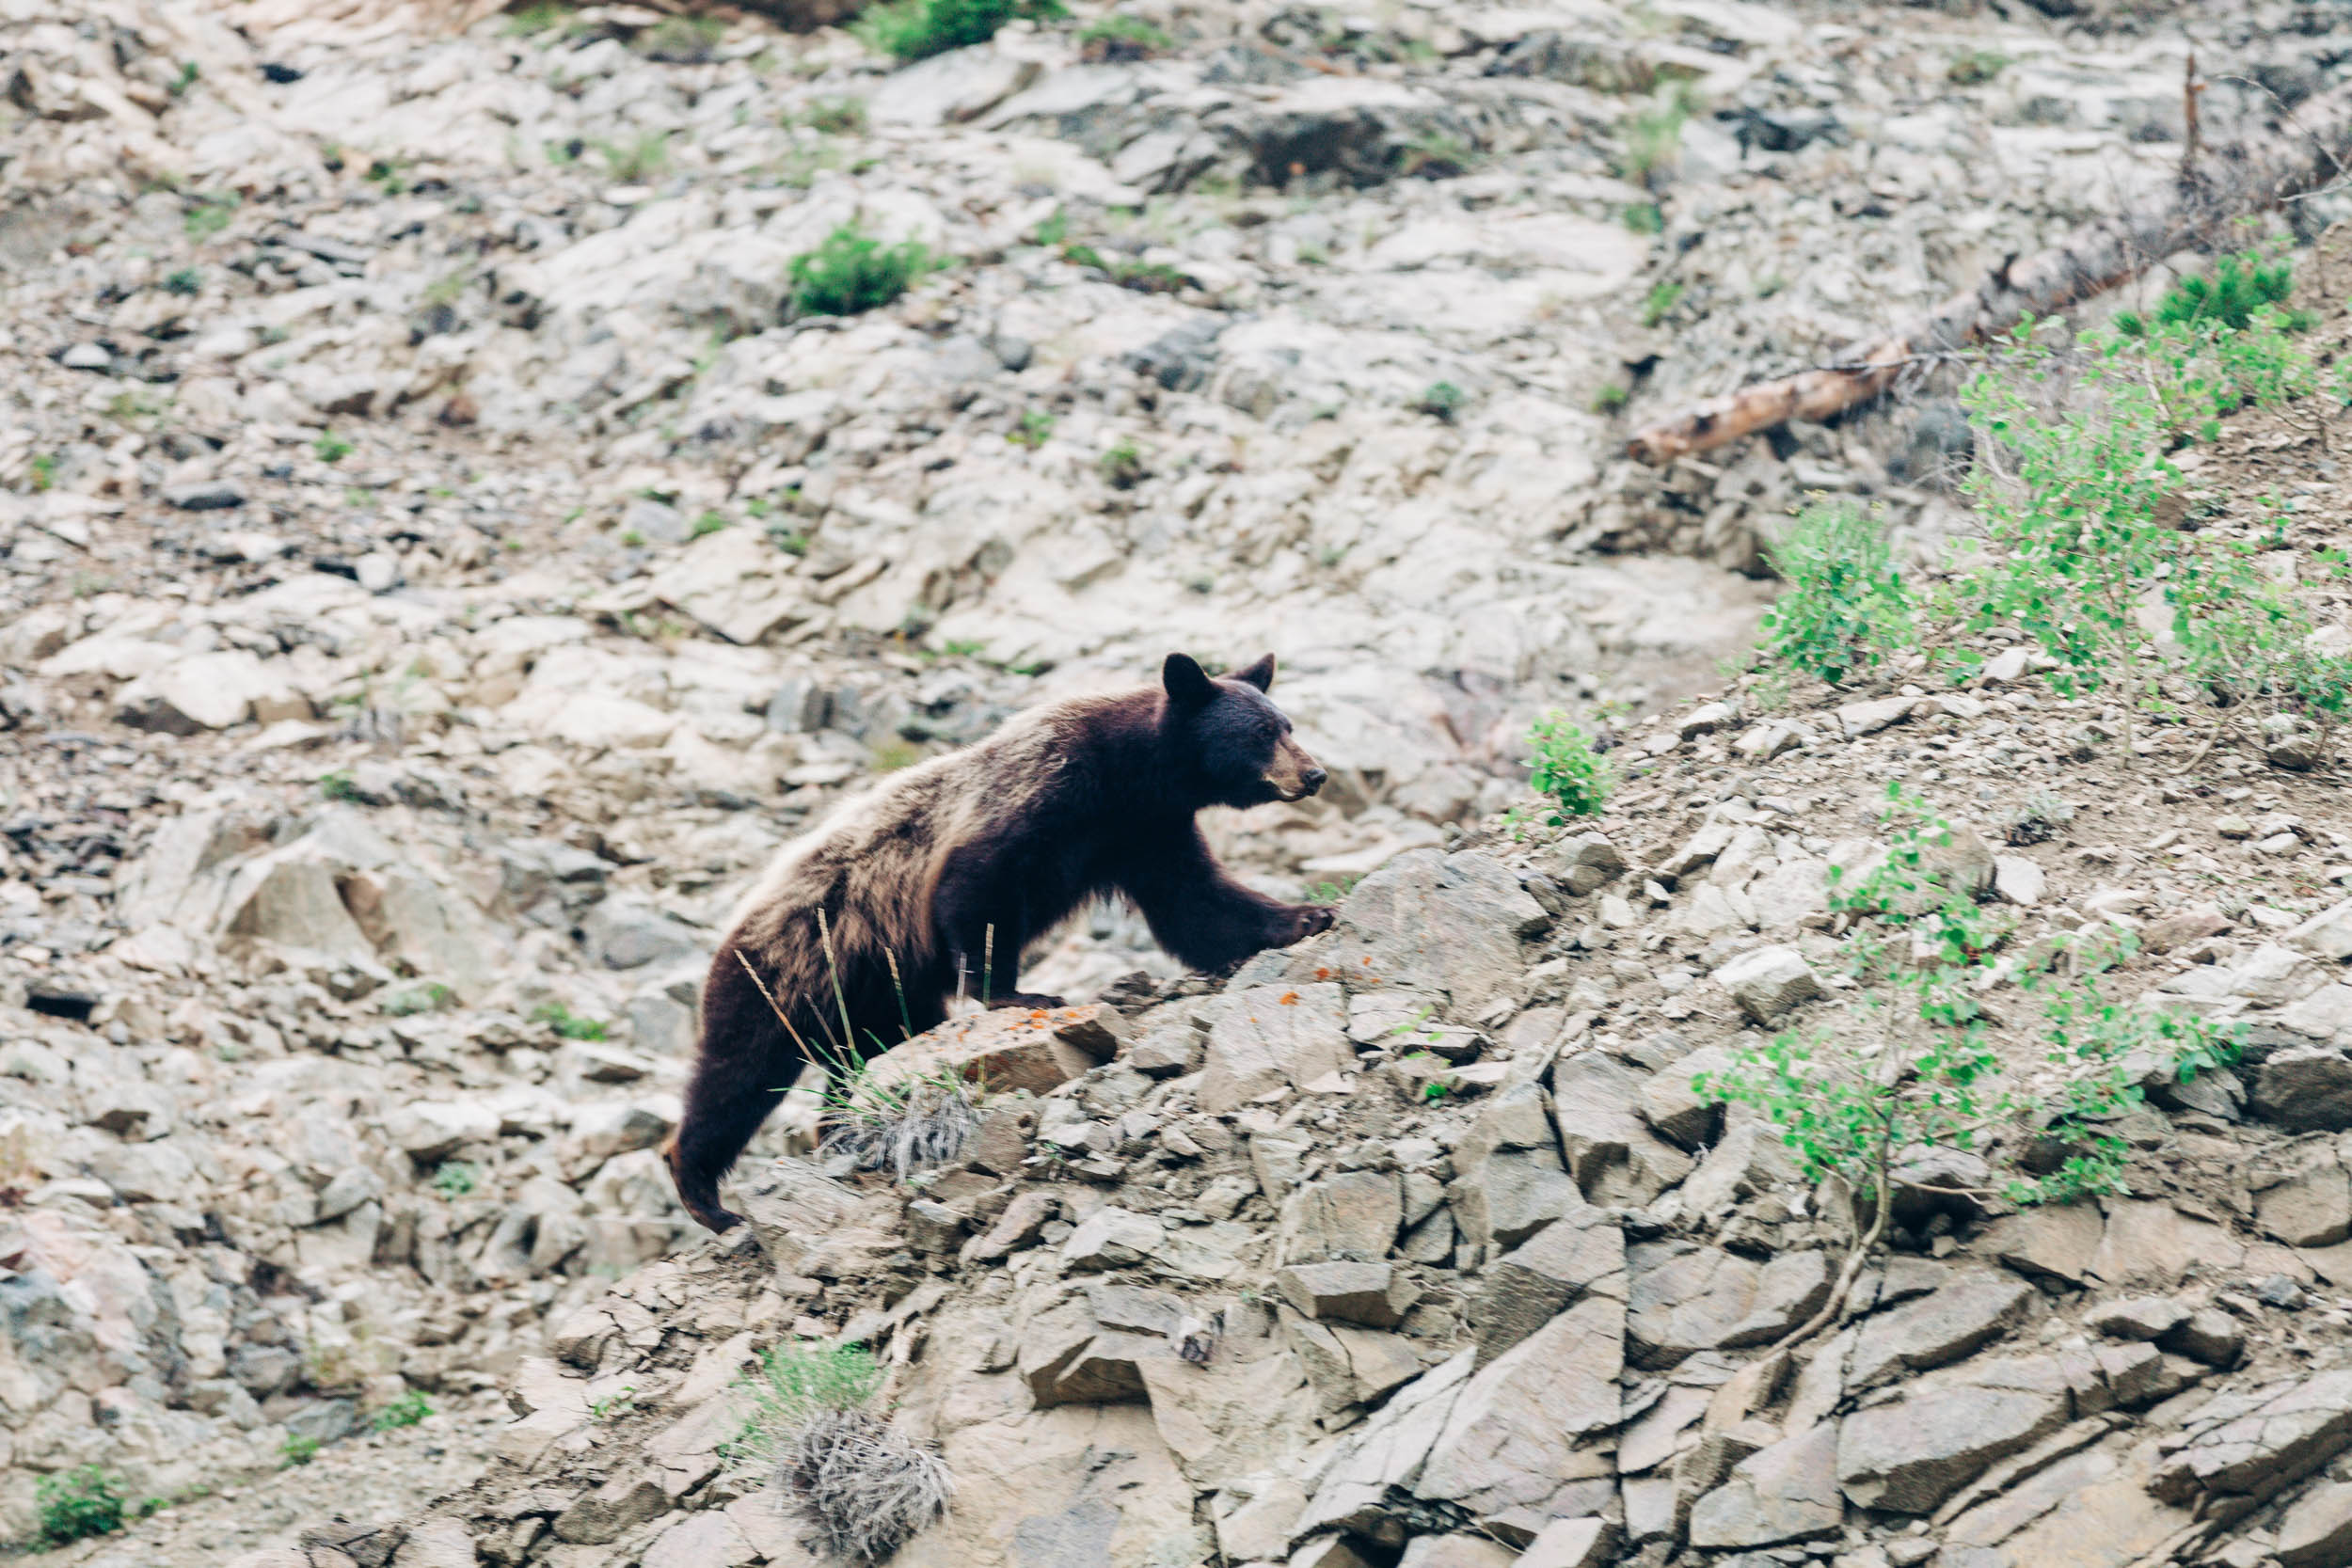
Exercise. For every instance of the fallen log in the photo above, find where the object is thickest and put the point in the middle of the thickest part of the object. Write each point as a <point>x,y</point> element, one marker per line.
<point>2215,186</point>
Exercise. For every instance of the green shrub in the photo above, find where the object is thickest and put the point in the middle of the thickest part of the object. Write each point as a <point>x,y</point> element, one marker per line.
<point>187,282</point>
<point>1565,768</point>
<point>209,215</point>
<point>836,115</point>
<point>1975,68</point>
<point>852,272</point>
<point>566,1023</point>
<point>1659,303</point>
<point>1910,1068</point>
<point>1652,135</point>
<point>680,39</point>
<point>909,30</point>
<point>708,523</point>
<point>406,1411</point>
<point>1845,607</point>
<point>455,1179</point>
<point>1122,38</point>
<point>1609,399</point>
<point>1035,428</point>
<point>2228,297</point>
<point>1122,465</point>
<point>76,1504</point>
<point>1442,400</point>
<point>794,1382</point>
<point>298,1449</point>
<point>644,157</point>
<point>331,448</point>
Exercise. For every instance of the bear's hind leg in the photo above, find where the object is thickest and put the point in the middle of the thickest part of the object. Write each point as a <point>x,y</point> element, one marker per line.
<point>745,1064</point>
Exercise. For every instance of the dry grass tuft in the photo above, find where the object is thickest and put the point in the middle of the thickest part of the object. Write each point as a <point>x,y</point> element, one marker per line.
<point>861,1488</point>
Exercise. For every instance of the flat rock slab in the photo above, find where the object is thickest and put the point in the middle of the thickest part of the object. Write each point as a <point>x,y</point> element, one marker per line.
<point>1788,1492</point>
<point>2257,1443</point>
<point>1272,1038</point>
<point>1007,1048</point>
<point>1909,1456</point>
<point>1432,922</point>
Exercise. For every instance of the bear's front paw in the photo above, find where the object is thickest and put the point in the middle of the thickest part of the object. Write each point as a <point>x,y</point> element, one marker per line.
<point>1030,1000</point>
<point>1305,921</point>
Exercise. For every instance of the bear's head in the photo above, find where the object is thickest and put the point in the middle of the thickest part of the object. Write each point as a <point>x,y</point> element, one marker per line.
<point>1238,743</point>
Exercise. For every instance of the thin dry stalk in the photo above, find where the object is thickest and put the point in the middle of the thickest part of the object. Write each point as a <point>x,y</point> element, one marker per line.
<point>860,1487</point>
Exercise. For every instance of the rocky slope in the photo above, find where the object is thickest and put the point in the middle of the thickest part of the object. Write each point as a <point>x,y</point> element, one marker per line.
<point>438,574</point>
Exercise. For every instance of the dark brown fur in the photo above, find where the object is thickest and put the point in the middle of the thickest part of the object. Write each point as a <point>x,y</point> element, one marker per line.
<point>984,850</point>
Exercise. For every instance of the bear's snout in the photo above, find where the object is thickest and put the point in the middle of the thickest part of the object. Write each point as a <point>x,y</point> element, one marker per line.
<point>1294,774</point>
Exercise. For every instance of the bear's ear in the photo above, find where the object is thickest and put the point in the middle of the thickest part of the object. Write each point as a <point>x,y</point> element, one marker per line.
<point>1188,684</point>
<point>1260,675</point>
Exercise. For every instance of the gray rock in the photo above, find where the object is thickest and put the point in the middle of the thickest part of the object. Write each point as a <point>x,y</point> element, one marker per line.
<point>654,522</point>
<point>2208,1334</point>
<point>1673,1106</point>
<point>1583,862</point>
<point>1907,1457</point>
<point>1352,1216</point>
<point>1111,1238</point>
<point>204,495</point>
<point>1606,1144</point>
<point>1769,983</point>
<point>1374,1294</point>
<point>86,357</point>
<point>1583,1253</point>
<point>1388,1452</point>
<point>2305,1090</point>
<point>1512,1195</point>
<point>1509,1440</point>
<point>1856,720</point>
<point>1269,1038</point>
<point>2326,935</point>
<point>2259,1442</point>
<point>2311,1207</point>
<point>2317,1529</point>
<point>1788,1492</point>
<point>2138,1318</point>
<point>1570,1543</point>
<point>621,933</point>
<point>1447,923</point>
<point>1935,1330</point>
<point>1456,1551</point>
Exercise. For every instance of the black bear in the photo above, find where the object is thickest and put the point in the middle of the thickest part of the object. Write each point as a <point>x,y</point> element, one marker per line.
<point>969,858</point>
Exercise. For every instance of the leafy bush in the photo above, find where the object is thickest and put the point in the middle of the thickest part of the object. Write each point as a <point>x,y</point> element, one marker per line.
<point>909,30</point>
<point>1442,400</point>
<point>1122,465</point>
<point>794,1383</point>
<point>186,282</point>
<point>455,1179</point>
<point>298,1448</point>
<point>76,1504</point>
<point>1034,429</point>
<point>331,448</point>
<point>1659,303</point>
<point>1653,135</point>
<point>836,115</point>
<point>1121,38</point>
<point>681,40</point>
<point>406,1411</point>
<point>566,1023</point>
<point>852,272</point>
<point>209,215</point>
<point>1845,607</point>
<point>644,157</point>
<point>1912,1069</point>
<point>2229,297</point>
<point>1567,769</point>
